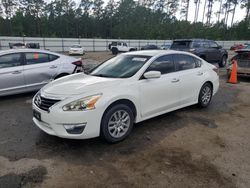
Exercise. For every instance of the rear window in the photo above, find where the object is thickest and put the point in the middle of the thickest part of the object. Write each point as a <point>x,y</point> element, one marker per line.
<point>181,44</point>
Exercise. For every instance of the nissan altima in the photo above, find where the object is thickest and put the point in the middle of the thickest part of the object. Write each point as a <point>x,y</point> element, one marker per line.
<point>124,90</point>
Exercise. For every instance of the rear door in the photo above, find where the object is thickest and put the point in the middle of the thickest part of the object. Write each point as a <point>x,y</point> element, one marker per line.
<point>160,94</point>
<point>39,69</point>
<point>11,73</point>
<point>214,52</point>
<point>191,77</point>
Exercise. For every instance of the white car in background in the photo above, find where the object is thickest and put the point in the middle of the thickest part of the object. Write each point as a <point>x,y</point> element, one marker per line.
<point>124,90</point>
<point>25,70</point>
<point>76,50</point>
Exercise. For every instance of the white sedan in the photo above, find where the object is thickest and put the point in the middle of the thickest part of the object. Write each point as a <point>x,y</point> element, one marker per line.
<point>124,90</point>
<point>76,50</point>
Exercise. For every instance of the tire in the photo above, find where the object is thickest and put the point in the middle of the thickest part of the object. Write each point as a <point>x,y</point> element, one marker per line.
<point>132,49</point>
<point>114,51</point>
<point>228,74</point>
<point>205,95</point>
<point>112,123</point>
<point>223,61</point>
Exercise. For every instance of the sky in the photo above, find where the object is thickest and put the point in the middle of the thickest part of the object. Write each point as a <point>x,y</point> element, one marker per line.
<point>239,13</point>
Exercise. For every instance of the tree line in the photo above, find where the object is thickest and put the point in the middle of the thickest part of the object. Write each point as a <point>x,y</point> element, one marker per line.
<point>142,19</point>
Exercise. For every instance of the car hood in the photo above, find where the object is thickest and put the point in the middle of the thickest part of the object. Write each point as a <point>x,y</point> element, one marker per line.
<point>78,84</point>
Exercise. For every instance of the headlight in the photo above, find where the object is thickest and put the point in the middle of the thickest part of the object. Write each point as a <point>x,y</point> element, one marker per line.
<point>86,103</point>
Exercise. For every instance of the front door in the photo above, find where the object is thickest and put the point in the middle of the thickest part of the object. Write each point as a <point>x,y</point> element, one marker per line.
<point>160,94</point>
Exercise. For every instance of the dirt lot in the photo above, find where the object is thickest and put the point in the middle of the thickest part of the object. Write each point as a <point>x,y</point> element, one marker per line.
<point>191,147</point>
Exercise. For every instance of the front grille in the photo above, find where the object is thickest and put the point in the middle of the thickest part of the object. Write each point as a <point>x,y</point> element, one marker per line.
<point>244,63</point>
<point>45,103</point>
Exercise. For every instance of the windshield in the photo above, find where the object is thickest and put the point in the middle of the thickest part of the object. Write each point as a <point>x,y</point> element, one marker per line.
<point>76,46</point>
<point>122,66</point>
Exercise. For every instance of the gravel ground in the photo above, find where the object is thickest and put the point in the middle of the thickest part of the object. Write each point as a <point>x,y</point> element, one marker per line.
<point>191,147</point>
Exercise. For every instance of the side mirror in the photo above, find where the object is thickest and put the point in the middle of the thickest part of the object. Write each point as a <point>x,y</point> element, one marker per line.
<point>219,47</point>
<point>152,74</point>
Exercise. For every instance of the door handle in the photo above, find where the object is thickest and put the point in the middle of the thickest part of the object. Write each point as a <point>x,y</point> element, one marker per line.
<point>174,80</point>
<point>17,72</point>
<point>200,73</point>
<point>53,67</point>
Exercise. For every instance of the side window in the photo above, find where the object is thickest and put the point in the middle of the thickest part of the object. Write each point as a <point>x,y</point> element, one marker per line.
<point>213,44</point>
<point>36,58</point>
<point>198,62</point>
<point>10,60</point>
<point>205,44</point>
<point>124,44</point>
<point>164,64</point>
<point>184,62</point>
<point>52,57</point>
<point>196,44</point>
<point>119,44</point>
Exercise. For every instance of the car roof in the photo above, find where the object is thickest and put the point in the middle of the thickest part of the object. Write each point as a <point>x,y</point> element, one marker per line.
<point>191,40</point>
<point>156,52</point>
<point>25,50</point>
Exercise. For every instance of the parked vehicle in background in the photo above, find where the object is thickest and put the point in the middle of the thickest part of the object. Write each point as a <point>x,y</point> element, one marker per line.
<point>117,47</point>
<point>165,46</point>
<point>243,63</point>
<point>76,50</point>
<point>17,45</point>
<point>112,44</point>
<point>208,50</point>
<point>247,46</point>
<point>237,47</point>
<point>24,45</point>
<point>33,45</point>
<point>124,90</point>
<point>149,47</point>
<point>24,70</point>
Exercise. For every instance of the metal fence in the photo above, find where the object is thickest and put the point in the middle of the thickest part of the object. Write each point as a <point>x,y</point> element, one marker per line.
<point>89,44</point>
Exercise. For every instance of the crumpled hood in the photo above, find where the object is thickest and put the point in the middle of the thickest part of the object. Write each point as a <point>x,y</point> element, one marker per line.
<point>78,84</point>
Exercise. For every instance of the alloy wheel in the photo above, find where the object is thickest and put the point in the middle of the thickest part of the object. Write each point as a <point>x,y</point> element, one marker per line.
<point>206,95</point>
<point>119,123</point>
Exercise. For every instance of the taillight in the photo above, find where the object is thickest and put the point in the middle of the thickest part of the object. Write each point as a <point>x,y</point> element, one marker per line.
<point>215,69</point>
<point>77,63</point>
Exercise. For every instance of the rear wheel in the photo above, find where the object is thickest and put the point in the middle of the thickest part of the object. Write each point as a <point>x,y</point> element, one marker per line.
<point>114,51</point>
<point>205,95</point>
<point>117,123</point>
<point>223,61</point>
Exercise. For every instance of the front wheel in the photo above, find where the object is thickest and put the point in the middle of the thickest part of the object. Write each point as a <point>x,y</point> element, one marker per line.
<point>205,95</point>
<point>117,123</point>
